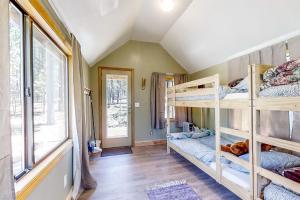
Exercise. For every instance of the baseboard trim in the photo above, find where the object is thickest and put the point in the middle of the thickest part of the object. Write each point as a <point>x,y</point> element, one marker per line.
<point>150,142</point>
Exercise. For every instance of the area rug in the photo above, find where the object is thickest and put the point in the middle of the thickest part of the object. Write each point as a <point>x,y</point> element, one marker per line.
<point>116,151</point>
<point>174,190</point>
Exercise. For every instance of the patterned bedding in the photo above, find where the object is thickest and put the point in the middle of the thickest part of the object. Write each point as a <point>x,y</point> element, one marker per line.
<point>276,192</point>
<point>284,74</point>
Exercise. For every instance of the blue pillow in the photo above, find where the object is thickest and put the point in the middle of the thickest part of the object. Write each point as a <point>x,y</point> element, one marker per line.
<point>271,160</point>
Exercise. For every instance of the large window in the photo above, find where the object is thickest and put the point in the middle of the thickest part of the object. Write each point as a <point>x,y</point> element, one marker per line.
<point>49,94</point>
<point>17,89</point>
<point>38,89</point>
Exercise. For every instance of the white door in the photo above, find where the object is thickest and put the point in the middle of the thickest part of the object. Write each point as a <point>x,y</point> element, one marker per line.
<point>116,108</point>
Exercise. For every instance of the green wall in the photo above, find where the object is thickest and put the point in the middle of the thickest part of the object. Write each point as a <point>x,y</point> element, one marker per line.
<point>222,70</point>
<point>144,58</point>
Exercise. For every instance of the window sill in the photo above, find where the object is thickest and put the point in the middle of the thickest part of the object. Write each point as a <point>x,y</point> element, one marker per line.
<point>31,180</point>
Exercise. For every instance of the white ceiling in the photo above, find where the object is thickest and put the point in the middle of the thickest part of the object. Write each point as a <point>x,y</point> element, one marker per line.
<point>197,33</point>
<point>98,35</point>
<point>211,31</point>
<point>152,22</point>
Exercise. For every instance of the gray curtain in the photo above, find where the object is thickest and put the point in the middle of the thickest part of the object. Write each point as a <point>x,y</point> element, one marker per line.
<point>238,67</point>
<point>157,100</point>
<point>294,49</point>
<point>274,123</point>
<point>182,114</point>
<point>6,174</point>
<point>82,176</point>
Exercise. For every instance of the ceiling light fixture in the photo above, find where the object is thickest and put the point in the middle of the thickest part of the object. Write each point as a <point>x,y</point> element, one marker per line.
<point>167,5</point>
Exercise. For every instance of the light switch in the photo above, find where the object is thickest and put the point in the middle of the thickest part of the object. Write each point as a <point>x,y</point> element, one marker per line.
<point>65,180</point>
<point>137,104</point>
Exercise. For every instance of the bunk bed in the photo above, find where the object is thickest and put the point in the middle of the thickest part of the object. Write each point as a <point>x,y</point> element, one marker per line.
<point>205,151</point>
<point>269,184</point>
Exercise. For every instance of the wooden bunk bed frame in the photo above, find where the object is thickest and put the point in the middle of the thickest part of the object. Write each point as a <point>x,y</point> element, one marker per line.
<point>191,89</point>
<point>270,103</point>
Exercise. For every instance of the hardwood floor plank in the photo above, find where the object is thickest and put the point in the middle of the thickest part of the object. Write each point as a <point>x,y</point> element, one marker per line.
<point>126,177</point>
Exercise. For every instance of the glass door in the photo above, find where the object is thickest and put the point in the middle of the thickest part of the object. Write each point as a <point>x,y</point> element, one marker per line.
<point>116,108</point>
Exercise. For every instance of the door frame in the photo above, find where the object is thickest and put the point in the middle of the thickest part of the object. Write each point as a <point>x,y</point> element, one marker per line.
<point>100,103</point>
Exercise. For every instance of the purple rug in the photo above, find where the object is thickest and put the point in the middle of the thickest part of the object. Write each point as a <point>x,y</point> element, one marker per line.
<point>175,190</point>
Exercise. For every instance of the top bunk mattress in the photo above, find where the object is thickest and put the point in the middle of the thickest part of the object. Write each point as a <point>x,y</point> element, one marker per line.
<point>290,90</point>
<point>237,95</point>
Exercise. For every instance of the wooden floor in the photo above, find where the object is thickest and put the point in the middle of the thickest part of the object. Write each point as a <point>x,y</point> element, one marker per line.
<point>125,177</point>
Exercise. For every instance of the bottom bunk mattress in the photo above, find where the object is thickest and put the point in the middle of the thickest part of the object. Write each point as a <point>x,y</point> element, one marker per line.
<point>240,178</point>
<point>276,192</point>
<point>203,149</point>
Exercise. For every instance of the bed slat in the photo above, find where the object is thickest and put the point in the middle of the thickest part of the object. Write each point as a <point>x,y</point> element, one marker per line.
<point>238,133</point>
<point>202,81</point>
<point>236,160</point>
<point>238,190</point>
<point>278,103</point>
<point>276,178</point>
<point>294,146</point>
<point>197,92</point>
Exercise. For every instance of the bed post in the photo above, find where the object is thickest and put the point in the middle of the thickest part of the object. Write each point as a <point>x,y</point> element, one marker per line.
<point>202,118</point>
<point>217,128</point>
<point>250,129</point>
<point>256,146</point>
<point>168,120</point>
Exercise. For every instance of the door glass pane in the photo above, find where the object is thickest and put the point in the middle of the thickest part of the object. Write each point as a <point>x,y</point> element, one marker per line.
<point>16,88</point>
<point>116,106</point>
<point>49,95</point>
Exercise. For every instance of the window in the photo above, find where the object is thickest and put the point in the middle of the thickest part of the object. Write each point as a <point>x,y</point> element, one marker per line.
<point>16,89</point>
<point>38,88</point>
<point>49,94</point>
<point>169,83</point>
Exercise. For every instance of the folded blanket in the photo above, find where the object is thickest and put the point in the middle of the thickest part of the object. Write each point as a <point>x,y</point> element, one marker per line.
<point>292,173</point>
<point>284,74</point>
<point>275,71</point>
<point>284,78</point>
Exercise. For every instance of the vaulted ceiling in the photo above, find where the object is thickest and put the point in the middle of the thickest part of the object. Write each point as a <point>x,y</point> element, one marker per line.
<point>197,33</point>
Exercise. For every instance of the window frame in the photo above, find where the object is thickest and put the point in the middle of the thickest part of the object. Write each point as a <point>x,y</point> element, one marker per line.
<point>23,172</point>
<point>27,57</point>
<point>33,23</point>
